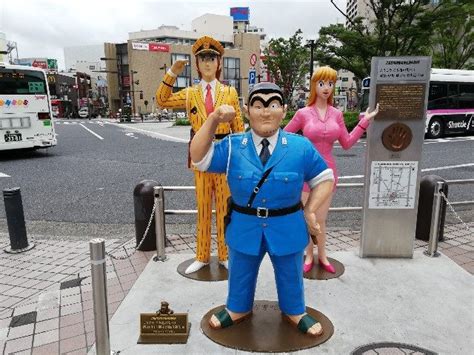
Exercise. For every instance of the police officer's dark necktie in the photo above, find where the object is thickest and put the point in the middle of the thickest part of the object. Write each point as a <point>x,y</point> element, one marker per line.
<point>265,152</point>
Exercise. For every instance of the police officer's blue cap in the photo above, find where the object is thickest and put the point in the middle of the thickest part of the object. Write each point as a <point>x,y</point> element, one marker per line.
<point>265,88</point>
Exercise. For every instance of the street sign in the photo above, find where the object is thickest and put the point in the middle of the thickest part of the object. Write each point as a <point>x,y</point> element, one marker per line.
<point>252,76</point>
<point>253,59</point>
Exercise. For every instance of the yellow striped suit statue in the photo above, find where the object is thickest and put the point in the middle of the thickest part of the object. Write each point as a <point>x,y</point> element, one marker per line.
<point>199,101</point>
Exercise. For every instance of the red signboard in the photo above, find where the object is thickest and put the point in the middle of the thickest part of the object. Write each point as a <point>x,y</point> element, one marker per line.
<point>126,80</point>
<point>159,47</point>
<point>253,59</point>
<point>40,64</point>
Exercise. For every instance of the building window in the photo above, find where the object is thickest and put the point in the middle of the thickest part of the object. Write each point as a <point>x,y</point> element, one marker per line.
<point>232,73</point>
<point>184,79</point>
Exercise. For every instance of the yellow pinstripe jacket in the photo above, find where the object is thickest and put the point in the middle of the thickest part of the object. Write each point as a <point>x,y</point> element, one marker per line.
<point>192,100</point>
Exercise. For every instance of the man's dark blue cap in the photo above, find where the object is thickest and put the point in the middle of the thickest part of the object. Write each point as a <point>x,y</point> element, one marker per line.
<point>265,88</point>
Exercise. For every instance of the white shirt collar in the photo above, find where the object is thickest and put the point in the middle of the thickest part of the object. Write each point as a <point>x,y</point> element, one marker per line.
<point>204,83</point>
<point>257,140</point>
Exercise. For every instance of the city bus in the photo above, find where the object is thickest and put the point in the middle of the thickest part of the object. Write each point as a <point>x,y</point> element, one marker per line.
<point>25,109</point>
<point>450,102</point>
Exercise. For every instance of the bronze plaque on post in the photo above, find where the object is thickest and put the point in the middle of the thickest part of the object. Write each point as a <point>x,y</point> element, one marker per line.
<point>397,137</point>
<point>164,327</point>
<point>400,101</point>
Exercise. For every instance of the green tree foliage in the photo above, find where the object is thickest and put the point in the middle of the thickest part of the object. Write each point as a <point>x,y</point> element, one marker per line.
<point>400,28</point>
<point>288,62</point>
<point>453,36</point>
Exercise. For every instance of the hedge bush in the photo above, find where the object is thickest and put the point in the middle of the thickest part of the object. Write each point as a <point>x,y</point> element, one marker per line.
<point>182,122</point>
<point>351,119</point>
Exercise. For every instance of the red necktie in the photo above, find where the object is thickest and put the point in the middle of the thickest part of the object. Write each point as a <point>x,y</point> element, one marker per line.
<point>208,103</point>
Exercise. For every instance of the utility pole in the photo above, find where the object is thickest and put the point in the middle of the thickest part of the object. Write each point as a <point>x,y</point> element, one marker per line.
<point>310,44</point>
<point>132,91</point>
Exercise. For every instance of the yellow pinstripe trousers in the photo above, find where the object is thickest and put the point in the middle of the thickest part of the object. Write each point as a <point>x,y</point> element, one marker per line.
<point>209,185</point>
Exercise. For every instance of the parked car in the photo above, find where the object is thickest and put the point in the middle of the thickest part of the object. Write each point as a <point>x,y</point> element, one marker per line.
<point>83,112</point>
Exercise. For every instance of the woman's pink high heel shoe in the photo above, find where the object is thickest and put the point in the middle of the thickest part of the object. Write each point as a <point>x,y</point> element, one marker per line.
<point>307,267</point>
<point>328,267</point>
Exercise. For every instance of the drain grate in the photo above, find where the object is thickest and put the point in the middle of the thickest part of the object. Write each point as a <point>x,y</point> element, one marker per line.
<point>23,319</point>
<point>71,283</point>
<point>391,349</point>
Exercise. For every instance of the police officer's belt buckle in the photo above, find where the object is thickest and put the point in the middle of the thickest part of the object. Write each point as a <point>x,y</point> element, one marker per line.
<point>262,212</point>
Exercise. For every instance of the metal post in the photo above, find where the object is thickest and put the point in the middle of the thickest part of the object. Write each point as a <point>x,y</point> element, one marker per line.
<point>132,92</point>
<point>99,294</point>
<point>435,221</point>
<point>160,224</point>
<point>15,222</point>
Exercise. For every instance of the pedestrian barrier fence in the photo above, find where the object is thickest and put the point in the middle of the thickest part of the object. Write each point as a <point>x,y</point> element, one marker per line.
<point>159,213</point>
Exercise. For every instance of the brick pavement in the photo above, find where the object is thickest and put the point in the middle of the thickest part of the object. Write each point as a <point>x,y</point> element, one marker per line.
<point>46,295</point>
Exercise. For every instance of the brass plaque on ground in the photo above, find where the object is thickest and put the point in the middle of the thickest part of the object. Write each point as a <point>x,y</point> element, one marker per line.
<point>318,273</point>
<point>164,327</point>
<point>397,137</point>
<point>212,272</point>
<point>266,331</point>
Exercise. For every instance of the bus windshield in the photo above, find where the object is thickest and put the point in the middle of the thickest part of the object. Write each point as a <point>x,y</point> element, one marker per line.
<point>22,82</point>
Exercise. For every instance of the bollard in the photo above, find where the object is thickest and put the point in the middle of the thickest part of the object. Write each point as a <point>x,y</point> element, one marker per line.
<point>15,222</point>
<point>99,295</point>
<point>143,199</point>
<point>160,229</point>
<point>428,185</point>
<point>435,220</point>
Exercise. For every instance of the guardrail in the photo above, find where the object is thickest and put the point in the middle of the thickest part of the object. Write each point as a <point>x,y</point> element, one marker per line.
<point>332,209</point>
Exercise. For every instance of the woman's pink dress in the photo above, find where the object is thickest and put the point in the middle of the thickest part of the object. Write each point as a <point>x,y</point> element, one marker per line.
<point>323,132</point>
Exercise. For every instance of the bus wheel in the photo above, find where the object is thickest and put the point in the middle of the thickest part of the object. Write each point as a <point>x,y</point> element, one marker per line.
<point>435,128</point>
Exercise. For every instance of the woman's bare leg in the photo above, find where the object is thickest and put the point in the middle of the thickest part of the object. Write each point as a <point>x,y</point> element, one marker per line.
<point>321,216</point>
<point>310,247</point>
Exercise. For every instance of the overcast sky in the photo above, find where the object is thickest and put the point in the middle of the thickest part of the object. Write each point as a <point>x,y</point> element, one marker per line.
<point>42,28</point>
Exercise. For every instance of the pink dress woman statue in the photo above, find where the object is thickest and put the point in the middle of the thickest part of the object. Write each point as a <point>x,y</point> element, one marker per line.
<point>323,124</point>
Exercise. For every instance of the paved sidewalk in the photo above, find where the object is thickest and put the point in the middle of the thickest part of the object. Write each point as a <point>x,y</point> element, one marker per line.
<point>46,295</point>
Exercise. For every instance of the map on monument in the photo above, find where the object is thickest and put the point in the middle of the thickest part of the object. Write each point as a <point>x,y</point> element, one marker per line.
<point>393,184</point>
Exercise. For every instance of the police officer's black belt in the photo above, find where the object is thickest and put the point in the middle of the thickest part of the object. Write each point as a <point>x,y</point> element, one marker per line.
<point>221,136</point>
<point>263,212</point>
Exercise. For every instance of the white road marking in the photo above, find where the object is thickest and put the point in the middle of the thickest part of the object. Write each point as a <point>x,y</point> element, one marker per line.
<point>158,135</point>
<point>95,134</point>
<point>351,177</point>
<point>131,135</point>
<point>449,139</point>
<point>4,175</point>
<point>448,167</point>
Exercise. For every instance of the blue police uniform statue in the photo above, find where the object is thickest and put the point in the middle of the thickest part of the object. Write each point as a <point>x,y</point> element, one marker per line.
<point>266,211</point>
<point>294,161</point>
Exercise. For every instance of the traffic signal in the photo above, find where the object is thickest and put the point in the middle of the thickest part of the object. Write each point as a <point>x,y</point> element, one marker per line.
<point>141,95</point>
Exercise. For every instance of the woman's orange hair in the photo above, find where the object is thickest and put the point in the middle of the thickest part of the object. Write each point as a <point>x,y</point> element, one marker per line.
<point>326,74</point>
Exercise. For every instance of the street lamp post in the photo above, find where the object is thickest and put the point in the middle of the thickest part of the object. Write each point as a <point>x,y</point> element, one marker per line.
<point>310,44</point>
<point>164,67</point>
<point>119,78</point>
<point>132,91</point>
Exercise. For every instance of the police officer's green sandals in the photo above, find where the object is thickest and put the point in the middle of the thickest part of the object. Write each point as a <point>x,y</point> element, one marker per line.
<point>226,321</point>
<point>305,323</point>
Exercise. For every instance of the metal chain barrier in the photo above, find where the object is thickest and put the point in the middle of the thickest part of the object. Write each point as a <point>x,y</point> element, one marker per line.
<point>468,229</point>
<point>126,256</point>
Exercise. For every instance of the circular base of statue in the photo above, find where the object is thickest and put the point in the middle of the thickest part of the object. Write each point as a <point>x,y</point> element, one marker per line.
<point>212,272</point>
<point>318,273</point>
<point>266,331</point>
<point>9,249</point>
